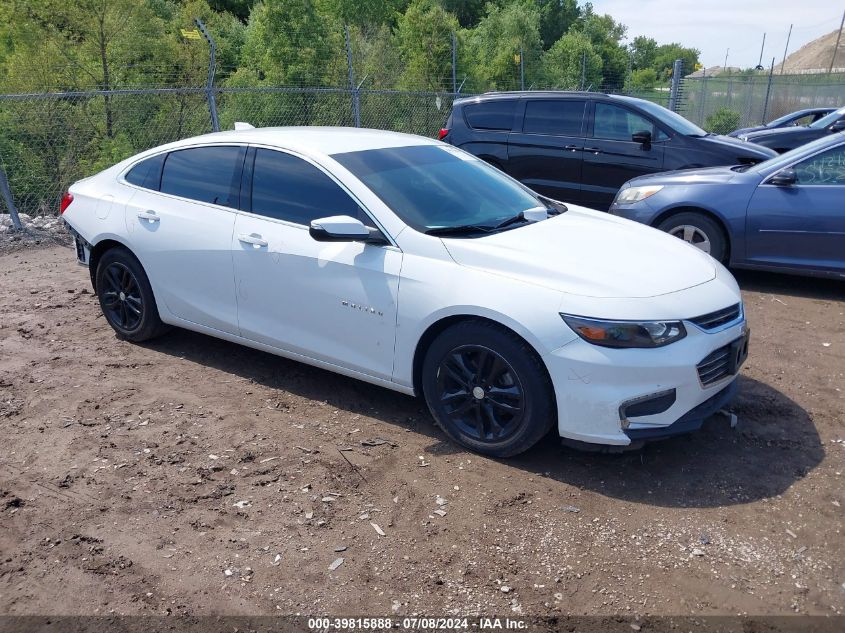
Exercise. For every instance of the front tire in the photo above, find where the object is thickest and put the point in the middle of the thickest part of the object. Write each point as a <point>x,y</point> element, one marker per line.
<point>487,389</point>
<point>126,297</point>
<point>700,231</point>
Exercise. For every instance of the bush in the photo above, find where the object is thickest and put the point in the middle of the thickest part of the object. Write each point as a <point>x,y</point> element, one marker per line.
<point>722,121</point>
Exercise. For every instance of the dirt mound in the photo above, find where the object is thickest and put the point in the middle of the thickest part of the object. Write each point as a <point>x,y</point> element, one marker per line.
<point>815,56</point>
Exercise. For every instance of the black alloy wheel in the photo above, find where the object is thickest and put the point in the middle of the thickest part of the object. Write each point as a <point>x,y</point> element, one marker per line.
<point>481,393</point>
<point>122,301</point>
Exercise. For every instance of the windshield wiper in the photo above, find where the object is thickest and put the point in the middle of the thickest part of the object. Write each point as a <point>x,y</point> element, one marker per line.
<point>461,229</point>
<point>519,217</point>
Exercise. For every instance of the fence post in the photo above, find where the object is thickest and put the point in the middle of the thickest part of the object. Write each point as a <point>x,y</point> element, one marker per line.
<point>10,203</point>
<point>521,70</point>
<point>212,68</point>
<point>703,98</point>
<point>583,70</point>
<point>675,89</point>
<point>768,93</point>
<point>356,101</point>
<point>454,65</point>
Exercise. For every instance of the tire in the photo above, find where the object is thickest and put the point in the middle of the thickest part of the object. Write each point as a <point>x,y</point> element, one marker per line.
<point>126,297</point>
<point>700,231</point>
<point>517,404</point>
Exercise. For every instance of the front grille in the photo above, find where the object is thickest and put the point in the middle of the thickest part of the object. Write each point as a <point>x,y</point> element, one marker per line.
<point>718,318</point>
<point>715,366</point>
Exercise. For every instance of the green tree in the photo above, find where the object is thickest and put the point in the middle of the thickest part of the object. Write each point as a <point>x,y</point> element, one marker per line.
<point>494,45</point>
<point>363,13</point>
<point>468,12</point>
<point>666,55</point>
<point>556,18</point>
<point>643,52</point>
<point>642,80</point>
<point>722,121</point>
<point>564,63</point>
<point>606,36</point>
<point>425,39</point>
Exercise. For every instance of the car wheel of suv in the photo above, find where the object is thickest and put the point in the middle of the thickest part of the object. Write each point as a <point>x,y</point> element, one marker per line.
<point>126,297</point>
<point>487,389</point>
<point>698,230</point>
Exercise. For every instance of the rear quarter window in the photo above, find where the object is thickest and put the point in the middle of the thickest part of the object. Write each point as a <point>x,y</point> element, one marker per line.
<point>147,173</point>
<point>490,115</point>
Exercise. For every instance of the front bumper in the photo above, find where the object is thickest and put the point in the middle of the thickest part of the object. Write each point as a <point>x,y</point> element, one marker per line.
<point>593,383</point>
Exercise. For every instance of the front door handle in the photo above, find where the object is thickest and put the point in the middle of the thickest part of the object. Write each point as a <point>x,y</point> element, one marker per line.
<point>572,148</point>
<point>593,150</point>
<point>253,238</point>
<point>149,216</point>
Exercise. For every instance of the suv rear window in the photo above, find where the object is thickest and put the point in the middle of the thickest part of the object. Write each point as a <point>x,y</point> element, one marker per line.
<point>560,117</point>
<point>491,115</point>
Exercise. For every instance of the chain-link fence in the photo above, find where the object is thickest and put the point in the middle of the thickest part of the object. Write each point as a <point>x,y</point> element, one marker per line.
<point>52,135</point>
<point>727,101</point>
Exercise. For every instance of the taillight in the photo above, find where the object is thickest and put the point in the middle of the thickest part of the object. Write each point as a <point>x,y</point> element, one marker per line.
<point>66,200</point>
<point>442,133</point>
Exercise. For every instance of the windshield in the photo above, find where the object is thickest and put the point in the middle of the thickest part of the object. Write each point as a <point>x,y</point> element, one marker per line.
<point>671,119</point>
<point>438,186</point>
<point>788,158</point>
<point>827,120</point>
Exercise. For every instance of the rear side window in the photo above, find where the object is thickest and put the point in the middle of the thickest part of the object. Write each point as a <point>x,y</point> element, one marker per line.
<point>205,174</point>
<point>561,117</point>
<point>288,188</point>
<point>147,173</point>
<point>491,115</point>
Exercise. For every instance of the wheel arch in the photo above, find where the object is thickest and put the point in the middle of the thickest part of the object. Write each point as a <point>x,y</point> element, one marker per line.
<point>442,324</point>
<point>98,250</point>
<point>668,213</point>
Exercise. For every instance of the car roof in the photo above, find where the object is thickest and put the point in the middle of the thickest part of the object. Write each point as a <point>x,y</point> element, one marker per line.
<point>312,140</point>
<point>542,94</point>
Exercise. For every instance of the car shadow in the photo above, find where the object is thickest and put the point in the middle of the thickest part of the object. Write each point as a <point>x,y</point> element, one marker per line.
<point>774,445</point>
<point>792,285</point>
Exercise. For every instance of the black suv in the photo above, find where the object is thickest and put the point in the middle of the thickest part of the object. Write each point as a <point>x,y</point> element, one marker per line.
<point>582,147</point>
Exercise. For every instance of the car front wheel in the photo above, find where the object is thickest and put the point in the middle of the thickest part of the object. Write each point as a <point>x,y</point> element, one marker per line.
<point>487,389</point>
<point>700,231</point>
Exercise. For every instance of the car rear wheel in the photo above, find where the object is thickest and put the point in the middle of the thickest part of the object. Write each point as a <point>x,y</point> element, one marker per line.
<point>700,231</point>
<point>487,389</point>
<point>126,297</point>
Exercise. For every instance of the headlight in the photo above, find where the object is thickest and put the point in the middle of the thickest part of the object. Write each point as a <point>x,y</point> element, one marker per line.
<point>622,334</point>
<point>635,194</point>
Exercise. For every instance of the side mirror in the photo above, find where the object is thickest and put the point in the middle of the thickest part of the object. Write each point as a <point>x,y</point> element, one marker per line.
<point>343,228</point>
<point>643,138</point>
<point>784,178</point>
<point>838,126</point>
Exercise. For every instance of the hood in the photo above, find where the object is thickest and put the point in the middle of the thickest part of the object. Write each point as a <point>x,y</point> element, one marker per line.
<point>746,130</point>
<point>700,175</point>
<point>741,147</point>
<point>781,132</point>
<point>588,253</point>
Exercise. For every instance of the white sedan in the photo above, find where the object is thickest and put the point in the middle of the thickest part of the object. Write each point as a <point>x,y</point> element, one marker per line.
<point>410,264</point>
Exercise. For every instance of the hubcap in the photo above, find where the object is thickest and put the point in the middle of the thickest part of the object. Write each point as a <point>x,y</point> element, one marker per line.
<point>121,297</point>
<point>480,393</point>
<point>692,235</point>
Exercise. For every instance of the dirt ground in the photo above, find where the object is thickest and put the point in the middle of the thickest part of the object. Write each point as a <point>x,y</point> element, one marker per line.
<point>193,476</point>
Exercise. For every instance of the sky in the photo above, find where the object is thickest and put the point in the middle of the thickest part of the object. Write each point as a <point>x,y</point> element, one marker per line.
<point>714,26</point>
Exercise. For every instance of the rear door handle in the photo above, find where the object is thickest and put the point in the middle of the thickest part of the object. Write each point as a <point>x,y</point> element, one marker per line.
<point>593,150</point>
<point>252,238</point>
<point>572,148</point>
<point>149,215</point>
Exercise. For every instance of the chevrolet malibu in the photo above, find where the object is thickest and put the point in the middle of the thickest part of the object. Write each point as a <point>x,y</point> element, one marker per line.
<point>413,265</point>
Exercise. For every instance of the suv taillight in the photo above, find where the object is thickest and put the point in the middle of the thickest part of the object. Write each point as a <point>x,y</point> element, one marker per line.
<point>66,200</point>
<point>442,133</point>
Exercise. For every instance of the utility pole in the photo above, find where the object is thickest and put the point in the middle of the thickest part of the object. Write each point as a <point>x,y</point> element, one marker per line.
<point>836,46</point>
<point>454,65</point>
<point>760,63</point>
<point>725,67</point>
<point>786,48</point>
<point>212,67</point>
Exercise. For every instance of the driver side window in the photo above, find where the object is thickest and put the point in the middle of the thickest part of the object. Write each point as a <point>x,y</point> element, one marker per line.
<point>619,124</point>
<point>827,168</point>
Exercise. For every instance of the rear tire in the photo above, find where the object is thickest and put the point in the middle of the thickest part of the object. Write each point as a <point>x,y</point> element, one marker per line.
<point>700,231</point>
<point>487,389</point>
<point>126,297</point>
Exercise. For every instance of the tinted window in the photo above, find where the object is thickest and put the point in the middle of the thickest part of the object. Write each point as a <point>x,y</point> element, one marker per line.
<point>430,186</point>
<point>491,115</point>
<point>205,174</point>
<point>828,119</point>
<point>827,168</point>
<point>147,173</point>
<point>618,124</point>
<point>562,117</point>
<point>288,188</point>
